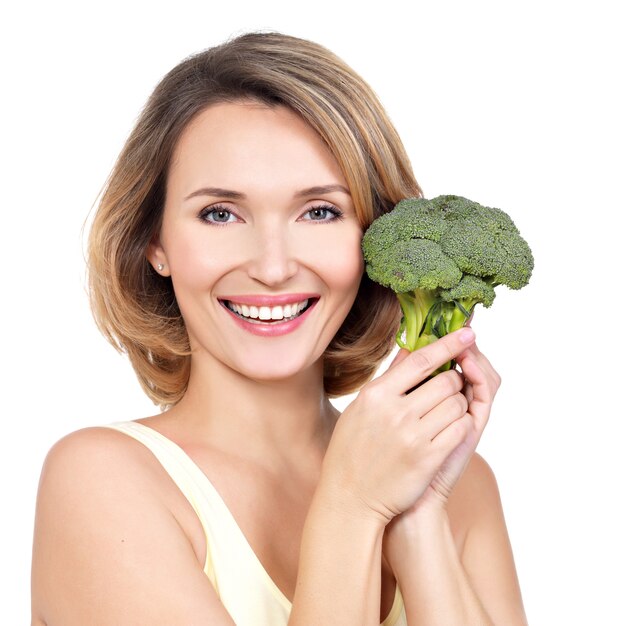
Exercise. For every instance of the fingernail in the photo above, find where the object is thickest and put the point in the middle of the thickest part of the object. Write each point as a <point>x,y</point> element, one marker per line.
<point>467,335</point>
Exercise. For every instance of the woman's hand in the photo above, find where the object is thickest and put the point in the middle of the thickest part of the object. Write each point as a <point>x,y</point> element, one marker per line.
<point>388,446</point>
<point>482,383</point>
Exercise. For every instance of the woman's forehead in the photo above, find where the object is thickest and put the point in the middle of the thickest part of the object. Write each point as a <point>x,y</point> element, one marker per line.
<point>237,143</point>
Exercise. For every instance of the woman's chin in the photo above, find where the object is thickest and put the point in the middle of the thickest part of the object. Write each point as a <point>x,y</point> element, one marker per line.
<point>276,368</point>
<point>275,374</point>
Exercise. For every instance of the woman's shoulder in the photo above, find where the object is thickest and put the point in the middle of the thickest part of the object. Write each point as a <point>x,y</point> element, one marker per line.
<point>96,452</point>
<point>92,472</point>
<point>107,528</point>
<point>477,475</point>
<point>483,544</point>
<point>475,495</point>
<point>88,466</point>
<point>476,486</point>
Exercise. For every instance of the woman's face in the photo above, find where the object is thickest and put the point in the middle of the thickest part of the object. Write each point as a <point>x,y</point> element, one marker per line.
<point>258,214</point>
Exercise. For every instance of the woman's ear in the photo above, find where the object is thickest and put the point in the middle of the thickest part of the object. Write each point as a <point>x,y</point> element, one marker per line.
<point>156,256</point>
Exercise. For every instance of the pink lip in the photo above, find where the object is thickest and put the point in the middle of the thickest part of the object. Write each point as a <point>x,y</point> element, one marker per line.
<point>257,300</point>
<point>271,330</point>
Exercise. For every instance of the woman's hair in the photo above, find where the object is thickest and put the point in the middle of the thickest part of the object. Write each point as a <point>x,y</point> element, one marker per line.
<point>135,307</point>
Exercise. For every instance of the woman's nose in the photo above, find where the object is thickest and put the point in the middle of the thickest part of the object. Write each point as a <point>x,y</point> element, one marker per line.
<point>272,259</point>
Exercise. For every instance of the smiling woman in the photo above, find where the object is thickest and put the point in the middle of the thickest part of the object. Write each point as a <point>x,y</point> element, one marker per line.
<point>277,235</point>
<point>225,260</point>
<point>343,113</point>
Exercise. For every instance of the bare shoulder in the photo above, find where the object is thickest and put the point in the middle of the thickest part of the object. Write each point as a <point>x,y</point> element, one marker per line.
<point>95,453</point>
<point>86,447</point>
<point>479,527</point>
<point>107,548</point>
<point>476,488</point>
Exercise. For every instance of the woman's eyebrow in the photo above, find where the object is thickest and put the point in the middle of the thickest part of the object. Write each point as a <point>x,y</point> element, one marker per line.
<point>321,189</point>
<point>237,195</point>
<point>217,191</point>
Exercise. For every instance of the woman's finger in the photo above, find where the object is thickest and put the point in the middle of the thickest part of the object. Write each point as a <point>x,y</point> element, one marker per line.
<point>433,392</point>
<point>484,363</point>
<point>442,415</point>
<point>400,356</point>
<point>468,392</point>
<point>418,365</point>
<point>482,397</point>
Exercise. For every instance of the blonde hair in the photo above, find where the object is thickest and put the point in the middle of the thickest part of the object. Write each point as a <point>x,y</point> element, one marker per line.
<point>135,307</point>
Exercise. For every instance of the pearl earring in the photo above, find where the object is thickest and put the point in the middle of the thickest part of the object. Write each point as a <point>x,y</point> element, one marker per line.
<point>160,267</point>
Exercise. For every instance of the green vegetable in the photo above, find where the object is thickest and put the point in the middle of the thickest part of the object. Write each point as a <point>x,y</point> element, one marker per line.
<point>442,257</point>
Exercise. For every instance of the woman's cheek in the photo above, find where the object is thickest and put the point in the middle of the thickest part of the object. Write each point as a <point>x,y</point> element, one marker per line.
<point>351,264</point>
<point>343,255</point>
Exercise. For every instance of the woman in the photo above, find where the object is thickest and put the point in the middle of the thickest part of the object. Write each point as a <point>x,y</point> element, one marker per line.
<point>225,260</point>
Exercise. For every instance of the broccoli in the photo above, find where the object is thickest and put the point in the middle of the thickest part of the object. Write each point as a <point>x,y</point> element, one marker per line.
<point>442,257</point>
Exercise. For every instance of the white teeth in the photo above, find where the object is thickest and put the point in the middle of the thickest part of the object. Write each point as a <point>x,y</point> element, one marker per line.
<point>268,313</point>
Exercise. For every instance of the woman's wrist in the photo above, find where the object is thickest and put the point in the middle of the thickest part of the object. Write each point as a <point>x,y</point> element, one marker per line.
<point>433,515</point>
<point>343,505</point>
<point>408,537</point>
<point>422,517</point>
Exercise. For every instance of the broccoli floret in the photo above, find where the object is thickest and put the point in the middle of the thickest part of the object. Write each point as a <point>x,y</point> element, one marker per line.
<point>442,257</point>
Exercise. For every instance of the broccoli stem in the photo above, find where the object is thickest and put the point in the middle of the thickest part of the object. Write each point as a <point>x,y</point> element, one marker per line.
<point>460,314</point>
<point>426,318</point>
<point>416,306</point>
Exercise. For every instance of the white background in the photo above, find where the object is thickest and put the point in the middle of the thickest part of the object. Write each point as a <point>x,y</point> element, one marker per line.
<point>515,105</point>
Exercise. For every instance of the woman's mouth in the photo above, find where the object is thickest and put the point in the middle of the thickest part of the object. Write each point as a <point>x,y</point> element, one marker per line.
<point>269,315</point>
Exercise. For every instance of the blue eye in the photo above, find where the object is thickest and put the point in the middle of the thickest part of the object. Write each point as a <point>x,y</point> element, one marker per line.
<point>220,213</point>
<point>323,210</point>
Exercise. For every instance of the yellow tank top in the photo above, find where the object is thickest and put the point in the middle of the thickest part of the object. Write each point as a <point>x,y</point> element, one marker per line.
<point>243,585</point>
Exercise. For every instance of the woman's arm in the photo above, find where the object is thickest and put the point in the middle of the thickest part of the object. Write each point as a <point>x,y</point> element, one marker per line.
<point>477,587</point>
<point>339,572</point>
<point>107,550</point>
<point>384,451</point>
<point>444,583</point>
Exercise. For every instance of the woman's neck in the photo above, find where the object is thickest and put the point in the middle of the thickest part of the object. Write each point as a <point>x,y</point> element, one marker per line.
<point>269,422</point>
